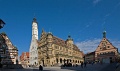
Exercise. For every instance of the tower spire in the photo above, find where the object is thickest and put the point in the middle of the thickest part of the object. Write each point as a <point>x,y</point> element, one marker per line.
<point>104,34</point>
<point>34,20</point>
<point>69,37</point>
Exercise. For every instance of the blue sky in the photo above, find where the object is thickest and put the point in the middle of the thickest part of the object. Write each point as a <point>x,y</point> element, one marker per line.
<point>84,20</point>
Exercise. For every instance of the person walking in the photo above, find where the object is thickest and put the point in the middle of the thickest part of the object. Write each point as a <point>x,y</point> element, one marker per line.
<point>85,64</point>
<point>40,68</point>
<point>92,63</point>
<point>82,65</point>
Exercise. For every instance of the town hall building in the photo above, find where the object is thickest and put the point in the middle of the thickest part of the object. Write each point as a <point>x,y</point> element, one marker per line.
<point>50,50</point>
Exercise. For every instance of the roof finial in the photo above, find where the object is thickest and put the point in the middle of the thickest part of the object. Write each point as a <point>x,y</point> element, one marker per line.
<point>104,34</point>
<point>69,37</point>
<point>34,19</point>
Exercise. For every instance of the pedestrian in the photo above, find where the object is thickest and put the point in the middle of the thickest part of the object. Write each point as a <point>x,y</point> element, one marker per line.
<point>82,65</point>
<point>85,64</point>
<point>40,68</point>
<point>92,63</point>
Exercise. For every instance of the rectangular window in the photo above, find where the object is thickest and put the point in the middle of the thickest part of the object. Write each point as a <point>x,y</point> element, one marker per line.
<point>50,52</point>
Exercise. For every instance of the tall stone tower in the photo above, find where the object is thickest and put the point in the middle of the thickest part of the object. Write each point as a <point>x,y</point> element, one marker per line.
<point>34,44</point>
<point>34,29</point>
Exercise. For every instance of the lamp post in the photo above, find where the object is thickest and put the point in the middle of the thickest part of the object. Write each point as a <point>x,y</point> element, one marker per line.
<point>2,23</point>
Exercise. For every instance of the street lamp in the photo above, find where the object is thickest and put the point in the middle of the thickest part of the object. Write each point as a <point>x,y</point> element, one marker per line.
<point>2,23</point>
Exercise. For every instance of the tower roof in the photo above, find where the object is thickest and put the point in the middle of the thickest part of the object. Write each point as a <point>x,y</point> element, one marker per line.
<point>34,19</point>
<point>69,37</point>
<point>104,34</point>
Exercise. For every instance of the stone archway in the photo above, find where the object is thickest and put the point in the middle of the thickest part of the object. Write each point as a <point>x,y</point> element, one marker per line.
<point>64,60</point>
<point>76,61</point>
<point>73,61</point>
<point>67,60</point>
<point>43,62</point>
<point>57,60</point>
<point>60,60</point>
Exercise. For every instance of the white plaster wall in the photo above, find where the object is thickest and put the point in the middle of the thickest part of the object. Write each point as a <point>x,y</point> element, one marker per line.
<point>35,30</point>
<point>33,52</point>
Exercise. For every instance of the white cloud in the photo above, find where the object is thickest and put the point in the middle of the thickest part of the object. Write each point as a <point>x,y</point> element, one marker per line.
<point>107,15</point>
<point>118,4</point>
<point>116,43</point>
<point>96,1</point>
<point>87,25</point>
<point>91,45</point>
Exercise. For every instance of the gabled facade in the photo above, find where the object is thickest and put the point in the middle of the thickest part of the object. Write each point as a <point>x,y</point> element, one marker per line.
<point>3,47</point>
<point>105,51</point>
<point>10,54</point>
<point>24,59</point>
<point>54,51</point>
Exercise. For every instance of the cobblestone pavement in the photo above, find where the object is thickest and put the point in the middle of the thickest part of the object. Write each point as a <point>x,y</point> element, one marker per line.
<point>95,67</point>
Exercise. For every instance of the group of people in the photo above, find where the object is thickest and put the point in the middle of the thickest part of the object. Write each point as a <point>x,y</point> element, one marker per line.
<point>83,64</point>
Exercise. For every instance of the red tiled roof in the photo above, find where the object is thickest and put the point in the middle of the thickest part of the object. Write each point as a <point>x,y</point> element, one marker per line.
<point>59,41</point>
<point>24,54</point>
<point>27,54</point>
<point>91,53</point>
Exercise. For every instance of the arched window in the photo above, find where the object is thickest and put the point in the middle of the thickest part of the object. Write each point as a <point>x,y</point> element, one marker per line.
<point>76,61</point>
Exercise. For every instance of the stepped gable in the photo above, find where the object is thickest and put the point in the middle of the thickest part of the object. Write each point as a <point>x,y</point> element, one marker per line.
<point>107,43</point>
